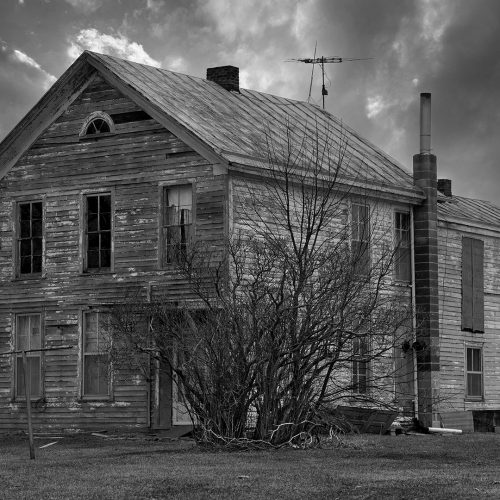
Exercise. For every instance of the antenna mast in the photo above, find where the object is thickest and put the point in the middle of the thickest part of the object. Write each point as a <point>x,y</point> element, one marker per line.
<point>322,60</point>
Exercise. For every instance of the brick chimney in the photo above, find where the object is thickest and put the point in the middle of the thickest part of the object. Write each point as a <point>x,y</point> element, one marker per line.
<point>426,270</point>
<point>444,187</point>
<point>227,77</point>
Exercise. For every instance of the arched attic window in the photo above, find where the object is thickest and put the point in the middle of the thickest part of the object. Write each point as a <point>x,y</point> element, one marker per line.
<point>97,123</point>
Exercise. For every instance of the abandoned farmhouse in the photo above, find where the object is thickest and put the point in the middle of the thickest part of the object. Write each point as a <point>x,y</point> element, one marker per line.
<point>118,156</point>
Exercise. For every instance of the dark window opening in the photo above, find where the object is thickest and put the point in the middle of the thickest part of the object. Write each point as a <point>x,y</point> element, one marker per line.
<point>98,227</point>
<point>132,116</point>
<point>30,246</point>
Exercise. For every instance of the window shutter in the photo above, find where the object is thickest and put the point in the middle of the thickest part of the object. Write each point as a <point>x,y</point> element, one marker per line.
<point>477,285</point>
<point>467,295</point>
<point>472,285</point>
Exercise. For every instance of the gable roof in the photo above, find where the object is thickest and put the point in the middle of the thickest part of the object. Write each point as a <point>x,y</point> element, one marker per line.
<point>228,128</point>
<point>458,209</point>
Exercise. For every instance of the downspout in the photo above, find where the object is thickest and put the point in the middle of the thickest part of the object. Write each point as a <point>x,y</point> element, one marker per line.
<point>413,316</point>
<point>148,385</point>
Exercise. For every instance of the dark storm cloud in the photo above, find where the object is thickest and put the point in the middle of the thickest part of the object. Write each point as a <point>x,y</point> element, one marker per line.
<point>446,47</point>
<point>21,79</point>
<point>467,91</point>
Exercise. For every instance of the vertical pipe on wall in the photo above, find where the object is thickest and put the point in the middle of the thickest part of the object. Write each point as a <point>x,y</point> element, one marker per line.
<point>425,123</point>
<point>414,314</point>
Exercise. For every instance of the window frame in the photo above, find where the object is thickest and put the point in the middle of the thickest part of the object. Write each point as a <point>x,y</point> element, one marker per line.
<point>162,243</point>
<point>15,357</point>
<point>359,360</point>
<point>84,269</point>
<point>398,246</point>
<point>96,115</point>
<point>84,354</point>
<point>467,372</point>
<point>16,217</point>
<point>366,227</point>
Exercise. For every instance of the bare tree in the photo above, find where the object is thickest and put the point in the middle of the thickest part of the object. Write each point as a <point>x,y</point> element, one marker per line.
<point>295,312</point>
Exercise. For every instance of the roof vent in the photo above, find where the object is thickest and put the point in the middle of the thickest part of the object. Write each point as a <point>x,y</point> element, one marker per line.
<point>227,77</point>
<point>444,187</point>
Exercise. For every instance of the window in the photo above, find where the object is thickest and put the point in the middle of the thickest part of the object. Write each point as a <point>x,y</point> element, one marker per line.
<point>360,239</point>
<point>29,241</point>
<point>96,124</point>
<point>95,356</point>
<point>177,222</point>
<point>28,336</point>
<point>402,257</point>
<point>472,285</point>
<point>360,365</point>
<point>474,383</point>
<point>98,232</point>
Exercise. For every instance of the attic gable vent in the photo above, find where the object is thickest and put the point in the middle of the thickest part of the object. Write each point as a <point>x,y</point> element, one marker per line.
<point>97,123</point>
<point>227,77</point>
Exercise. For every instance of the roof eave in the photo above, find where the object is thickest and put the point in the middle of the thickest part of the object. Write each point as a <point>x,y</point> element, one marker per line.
<point>400,194</point>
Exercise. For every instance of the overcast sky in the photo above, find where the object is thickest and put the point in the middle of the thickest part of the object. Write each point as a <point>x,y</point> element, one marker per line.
<point>450,48</point>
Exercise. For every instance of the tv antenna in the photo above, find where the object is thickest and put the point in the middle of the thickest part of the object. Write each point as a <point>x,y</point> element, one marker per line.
<point>322,60</point>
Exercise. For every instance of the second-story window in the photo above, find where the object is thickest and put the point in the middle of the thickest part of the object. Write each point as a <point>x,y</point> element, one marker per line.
<point>30,246</point>
<point>177,222</point>
<point>98,231</point>
<point>360,239</point>
<point>402,256</point>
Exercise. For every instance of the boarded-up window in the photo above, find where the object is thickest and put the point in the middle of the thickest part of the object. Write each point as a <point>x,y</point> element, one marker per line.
<point>474,381</point>
<point>28,336</point>
<point>360,239</point>
<point>402,256</point>
<point>177,222</point>
<point>472,285</point>
<point>360,365</point>
<point>98,231</point>
<point>95,356</point>
<point>29,241</point>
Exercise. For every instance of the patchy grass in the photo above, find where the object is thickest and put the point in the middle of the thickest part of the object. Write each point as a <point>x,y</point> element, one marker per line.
<point>402,467</point>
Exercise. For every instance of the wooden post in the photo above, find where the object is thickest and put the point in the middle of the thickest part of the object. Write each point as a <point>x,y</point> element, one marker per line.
<point>27,390</point>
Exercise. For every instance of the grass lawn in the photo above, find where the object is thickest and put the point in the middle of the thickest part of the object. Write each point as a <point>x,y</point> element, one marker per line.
<point>377,467</point>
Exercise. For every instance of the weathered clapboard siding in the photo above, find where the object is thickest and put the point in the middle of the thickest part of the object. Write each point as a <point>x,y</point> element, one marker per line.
<point>60,168</point>
<point>253,209</point>
<point>453,340</point>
